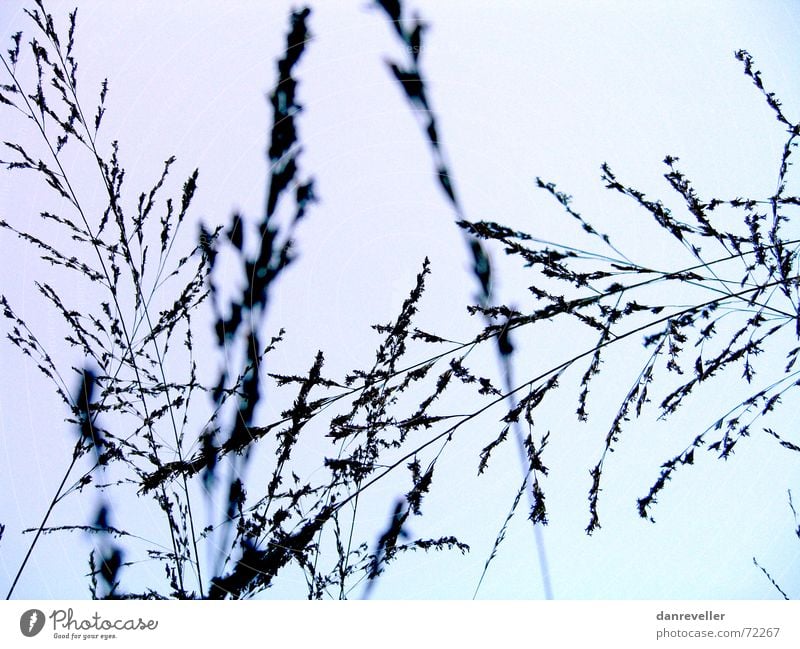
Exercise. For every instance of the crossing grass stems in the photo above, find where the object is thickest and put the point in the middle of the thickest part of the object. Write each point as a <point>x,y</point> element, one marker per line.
<point>134,404</point>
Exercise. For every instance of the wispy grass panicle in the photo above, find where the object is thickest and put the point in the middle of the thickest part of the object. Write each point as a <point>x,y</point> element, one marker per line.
<point>295,493</point>
<point>109,254</point>
<point>732,321</point>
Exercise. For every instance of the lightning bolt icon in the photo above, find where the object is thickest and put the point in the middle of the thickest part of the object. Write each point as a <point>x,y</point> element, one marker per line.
<point>32,621</point>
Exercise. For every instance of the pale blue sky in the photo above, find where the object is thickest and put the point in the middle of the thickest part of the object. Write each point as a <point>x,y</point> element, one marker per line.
<point>522,89</point>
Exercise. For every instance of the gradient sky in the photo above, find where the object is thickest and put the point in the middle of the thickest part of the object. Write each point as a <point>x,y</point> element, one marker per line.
<point>522,89</point>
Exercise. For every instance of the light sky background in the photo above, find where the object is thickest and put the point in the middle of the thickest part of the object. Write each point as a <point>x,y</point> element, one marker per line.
<point>521,89</point>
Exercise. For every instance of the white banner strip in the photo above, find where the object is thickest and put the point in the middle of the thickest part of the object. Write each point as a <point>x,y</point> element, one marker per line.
<point>389,624</point>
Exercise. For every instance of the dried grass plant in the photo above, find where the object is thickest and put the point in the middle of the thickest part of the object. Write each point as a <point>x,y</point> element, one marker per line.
<point>138,406</point>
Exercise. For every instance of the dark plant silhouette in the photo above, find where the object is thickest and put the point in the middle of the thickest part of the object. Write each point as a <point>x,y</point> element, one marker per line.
<point>149,425</point>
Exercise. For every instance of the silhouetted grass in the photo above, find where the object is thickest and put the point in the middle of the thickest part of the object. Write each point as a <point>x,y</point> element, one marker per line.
<point>139,390</point>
